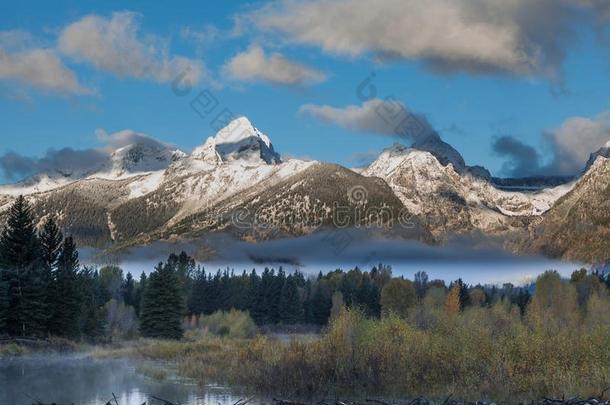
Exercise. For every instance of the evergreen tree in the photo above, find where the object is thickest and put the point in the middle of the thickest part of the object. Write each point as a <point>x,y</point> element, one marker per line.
<point>368,296</point>
<point>67,300</point>
<point>139,294</point>
<point>291,308</point>
<point>128,290</point>
<point>197,300</point>
<point>259,309</point>
<point>92,316</point>
<point>421,283</point>
<point>51,240</point>
<point>184,266</point>
<point>22,273</point>
<point>50,243</point>
<point>464,296</point>
<point>274,294</point>
<point>4,307</point>
<point>163,304</point>
<point>321,303</point>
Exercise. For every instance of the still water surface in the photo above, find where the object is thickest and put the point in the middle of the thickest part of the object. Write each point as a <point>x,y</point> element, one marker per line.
<point>85,381</point>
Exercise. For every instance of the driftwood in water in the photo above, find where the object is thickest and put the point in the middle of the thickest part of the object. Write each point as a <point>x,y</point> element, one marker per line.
<point>602,399</point>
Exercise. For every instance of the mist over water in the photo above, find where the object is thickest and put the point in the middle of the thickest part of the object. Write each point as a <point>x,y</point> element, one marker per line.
<point>475,261</point>
<point>85,381</point>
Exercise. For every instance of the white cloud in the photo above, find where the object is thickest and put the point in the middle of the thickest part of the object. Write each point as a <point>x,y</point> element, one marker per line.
<point>209,34</point>
<point>385,117</point>
<point>41,69</point>
<point>255,65</point>
<point>116,46</point>
<point>520,37</point>
<point>576,139</point>
<point>126,137</point>
<point>571,145</point>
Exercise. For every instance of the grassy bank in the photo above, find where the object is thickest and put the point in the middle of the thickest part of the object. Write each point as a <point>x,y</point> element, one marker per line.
<point>15,347</point>
<point>558,345</point>
<point>482,353</point>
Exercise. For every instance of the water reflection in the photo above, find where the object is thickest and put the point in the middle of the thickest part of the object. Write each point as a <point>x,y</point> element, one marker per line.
<point>86,381</point>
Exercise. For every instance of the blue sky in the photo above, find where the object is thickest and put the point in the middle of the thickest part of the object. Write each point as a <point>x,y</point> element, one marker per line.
<point>471,92</point>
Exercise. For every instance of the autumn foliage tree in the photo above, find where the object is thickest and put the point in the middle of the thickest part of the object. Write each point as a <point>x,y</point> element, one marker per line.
<point>398,296</point>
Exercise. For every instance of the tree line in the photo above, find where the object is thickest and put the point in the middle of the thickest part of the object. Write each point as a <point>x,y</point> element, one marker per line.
<point>44,291</point>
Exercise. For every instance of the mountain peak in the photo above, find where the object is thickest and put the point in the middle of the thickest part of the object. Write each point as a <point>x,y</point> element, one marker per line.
<point>238,141</point>
<point>444,152</point>
<point>141,157</point>
<point>604,151</point>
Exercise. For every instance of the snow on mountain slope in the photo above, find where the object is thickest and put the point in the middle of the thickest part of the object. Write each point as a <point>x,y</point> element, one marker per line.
<point>137,159</point>
<point>577,227</point>
<point>147,190</point>
<point>196,191</point>
<point>36,184</point>
<point>140,158</point>
<point>453,201</point>
<point>444,152</point>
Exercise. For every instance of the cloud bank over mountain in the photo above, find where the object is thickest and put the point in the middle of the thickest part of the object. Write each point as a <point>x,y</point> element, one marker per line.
<point>66,161</point>
<point>570,146</point>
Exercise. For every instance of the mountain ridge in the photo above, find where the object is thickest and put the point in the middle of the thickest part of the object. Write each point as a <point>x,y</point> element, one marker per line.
<point>147,192</point>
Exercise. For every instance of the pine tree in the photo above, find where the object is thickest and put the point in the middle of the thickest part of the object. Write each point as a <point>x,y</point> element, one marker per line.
<point>274,294</point>
<point>291,308</point>
<point>67,300</point>
<point>197,299</point>
<point>22,273</point>
<point>368,296</point>
<point>420,282</point>
<point>258,299</point>
<point>139,294</point>
<point>163,304</point>
<point>128,290</point>
<point>51,240</point>
<point>321,303</point>
<point>4,307</point>
<point>92,316</point>
<point>464,295</point>
<point>50,243</point>
<point>184,266</point>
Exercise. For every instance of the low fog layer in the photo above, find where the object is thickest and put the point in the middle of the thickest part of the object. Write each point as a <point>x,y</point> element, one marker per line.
<point>325,251</point>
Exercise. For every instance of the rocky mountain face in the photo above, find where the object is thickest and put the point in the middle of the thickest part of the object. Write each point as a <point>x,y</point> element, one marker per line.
<point>454,202</point>
<point>577,227</point>
<point>238,141</point>
<point>236,183</point>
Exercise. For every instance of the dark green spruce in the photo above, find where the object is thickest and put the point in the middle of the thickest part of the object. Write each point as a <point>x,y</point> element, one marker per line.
<point>22,274</point>
<point>163,304</point>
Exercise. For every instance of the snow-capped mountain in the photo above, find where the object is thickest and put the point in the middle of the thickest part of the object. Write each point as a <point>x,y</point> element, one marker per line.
<point>447,154</point>
<point>455,201</point>
<point>577,227</point>
<point>146,191</point>
<point>138,158</point>
<point>143,156</point>
<point>604,151</point>
<point>238,141</point>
